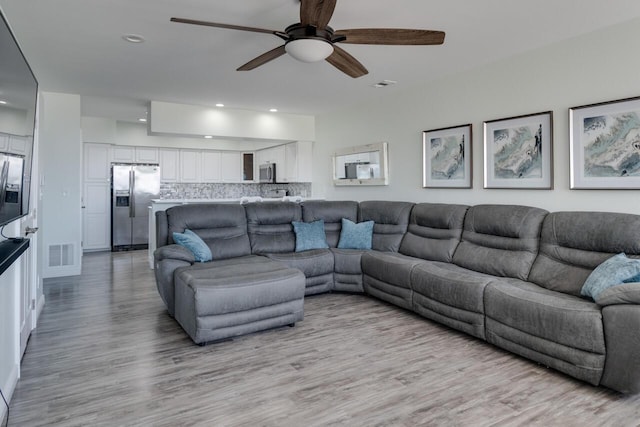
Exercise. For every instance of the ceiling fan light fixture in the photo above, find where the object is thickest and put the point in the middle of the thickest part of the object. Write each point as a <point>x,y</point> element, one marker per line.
<point>309,50</point>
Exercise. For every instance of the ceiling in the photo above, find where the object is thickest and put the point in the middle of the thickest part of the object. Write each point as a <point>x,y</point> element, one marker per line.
<point>77,46</point>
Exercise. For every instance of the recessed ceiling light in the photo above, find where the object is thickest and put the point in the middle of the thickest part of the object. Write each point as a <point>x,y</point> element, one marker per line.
<point>274,110</point>
<point>133,38</point>
<point>219,105</point>
<point>3,102</point>
<point>142,120</point>
<point>208,137</point>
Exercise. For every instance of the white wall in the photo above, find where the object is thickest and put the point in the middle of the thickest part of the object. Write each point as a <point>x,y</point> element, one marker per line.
<point>60,166</point>
<point>598,67</point>
<point>193,120</point>
<point>109,131</point>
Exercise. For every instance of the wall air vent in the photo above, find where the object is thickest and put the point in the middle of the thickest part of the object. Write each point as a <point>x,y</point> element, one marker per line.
<point>61,255</point>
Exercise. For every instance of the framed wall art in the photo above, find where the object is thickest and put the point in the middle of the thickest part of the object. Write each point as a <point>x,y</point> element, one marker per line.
<point>518,152</point>
<point>446,157</point>
<point>605,145</point>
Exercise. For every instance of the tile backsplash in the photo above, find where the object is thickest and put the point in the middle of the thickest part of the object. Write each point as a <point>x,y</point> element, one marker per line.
<point>229,191</point>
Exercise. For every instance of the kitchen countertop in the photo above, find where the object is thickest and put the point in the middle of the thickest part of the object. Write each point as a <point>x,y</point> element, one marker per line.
<point>234,200</point>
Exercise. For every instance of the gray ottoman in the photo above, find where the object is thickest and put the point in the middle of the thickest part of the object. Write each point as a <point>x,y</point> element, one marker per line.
<point>214,301</point>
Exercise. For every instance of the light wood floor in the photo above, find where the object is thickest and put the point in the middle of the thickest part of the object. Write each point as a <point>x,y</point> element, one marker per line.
<point>105,353</point>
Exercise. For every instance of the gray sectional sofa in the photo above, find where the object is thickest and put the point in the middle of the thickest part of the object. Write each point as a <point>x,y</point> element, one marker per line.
<point>510,275</point>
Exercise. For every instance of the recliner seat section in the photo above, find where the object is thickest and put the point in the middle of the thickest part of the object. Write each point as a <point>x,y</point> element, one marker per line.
<point>385,271</point>
<point>510,275</point>
<point>347,272</point>
<point>271,234</point>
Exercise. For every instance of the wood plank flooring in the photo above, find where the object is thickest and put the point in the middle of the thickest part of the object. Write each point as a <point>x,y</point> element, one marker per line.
<point>106,353</point>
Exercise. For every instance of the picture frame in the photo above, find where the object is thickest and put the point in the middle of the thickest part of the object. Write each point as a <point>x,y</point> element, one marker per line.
<point>447,157</point>
<point>518,152</point>
<point>604,141</point>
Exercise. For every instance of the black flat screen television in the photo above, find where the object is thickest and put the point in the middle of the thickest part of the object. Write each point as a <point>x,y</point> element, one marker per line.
<point>18,103</point>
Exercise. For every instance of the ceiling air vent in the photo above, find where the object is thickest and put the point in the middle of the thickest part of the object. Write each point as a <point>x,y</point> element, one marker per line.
<point>384,83</point>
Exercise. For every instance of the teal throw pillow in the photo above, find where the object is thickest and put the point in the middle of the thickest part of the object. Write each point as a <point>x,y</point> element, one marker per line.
<point>356,236</point>
<point>310,235</point>
<point>614,271</point>
<point>195,244</point>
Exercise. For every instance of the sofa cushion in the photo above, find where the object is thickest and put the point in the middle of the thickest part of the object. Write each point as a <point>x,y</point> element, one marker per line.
<point>614,271</point>
<point>355,236</point>
<point>223,227</point>
<point>626,293</point>
<point>316,264</point>
<point>387,275</point>
<point>501,240</point>
<point>558,330</point>
<point>391,220</point>
<point>331,212</point>
<point>309,235</point>
<point>269,226</point>
<point>454,298</point>
<point>573,244</point>
<point>347,270</point>
<point>434,231</point>
<point>191,241</point>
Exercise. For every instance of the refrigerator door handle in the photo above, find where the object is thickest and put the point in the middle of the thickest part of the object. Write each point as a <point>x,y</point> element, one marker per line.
<point>132,200</point>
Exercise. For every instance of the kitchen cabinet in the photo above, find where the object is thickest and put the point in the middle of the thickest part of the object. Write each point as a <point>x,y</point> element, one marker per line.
<point>18,144</point>
<point>169,160</point>
<point>231,166</point>
<point>298,162</point>
<point>127,154</point>
<point>96,163</point>
<point>96,200</point>
<point>146,155</point>
<point>211,166</point>
<point>122,154</point>
<point>190,166</point>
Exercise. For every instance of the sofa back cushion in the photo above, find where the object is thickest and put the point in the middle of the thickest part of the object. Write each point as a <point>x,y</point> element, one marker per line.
<point>434,231</point>
<point>573,244</point>
<point>501,240</point>
<point>391,222</point>
<point>331,212</point>
<point>269,226</point>
<point>223,227</point>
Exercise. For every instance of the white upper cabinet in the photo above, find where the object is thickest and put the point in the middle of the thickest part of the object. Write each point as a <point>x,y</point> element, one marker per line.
<point>210,161</point>
<point>122,154</point>
<point>190,166</point>
<point>169,160</point>
<point>293,161</point>
<point>96,162</point>
<point>231,166</point>
<point>146,155</point>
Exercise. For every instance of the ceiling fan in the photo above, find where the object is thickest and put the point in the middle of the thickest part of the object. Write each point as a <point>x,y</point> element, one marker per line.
<point>312,39</point>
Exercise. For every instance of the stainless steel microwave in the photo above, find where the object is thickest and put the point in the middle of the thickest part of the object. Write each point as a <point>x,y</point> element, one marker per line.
<point>267,173</point>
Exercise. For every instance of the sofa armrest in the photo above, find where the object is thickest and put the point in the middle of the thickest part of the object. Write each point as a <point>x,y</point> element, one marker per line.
<point>622,365</point>
<point>176,252</point>
<point>627,293</point>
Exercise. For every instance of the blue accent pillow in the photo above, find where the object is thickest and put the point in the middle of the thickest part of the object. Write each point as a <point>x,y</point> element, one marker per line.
<point>195,244</point>
<point>614,271</point>
<point>310,235</point>
<point>356,236</point>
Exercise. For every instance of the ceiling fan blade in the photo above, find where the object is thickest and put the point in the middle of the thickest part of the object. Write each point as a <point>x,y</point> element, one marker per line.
<point>316,12</point>
<point>263,59</point>
<point>391,36</point>
<point>346,63</point>
<point>228,26</point>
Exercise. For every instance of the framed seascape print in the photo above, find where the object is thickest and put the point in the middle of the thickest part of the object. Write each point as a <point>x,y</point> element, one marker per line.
<point>605,145</point>
<point>518,152</point>
<point>446,157</point>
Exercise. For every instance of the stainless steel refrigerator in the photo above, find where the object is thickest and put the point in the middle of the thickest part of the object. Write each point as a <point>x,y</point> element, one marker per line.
<point>11,174</point>
<point>132,188</point>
